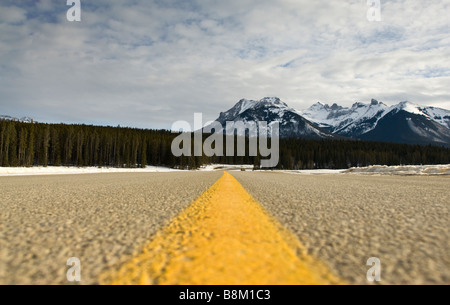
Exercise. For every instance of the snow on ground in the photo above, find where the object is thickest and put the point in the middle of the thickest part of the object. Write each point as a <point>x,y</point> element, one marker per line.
<point>442,170</point>
<point>315,171</point>
<point>31,171</point>
<point>54,170</point>
<point>221,167</point>
<point>425,170</point>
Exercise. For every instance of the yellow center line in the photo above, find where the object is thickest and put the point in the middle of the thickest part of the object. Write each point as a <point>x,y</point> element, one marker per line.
<point>224,238</point>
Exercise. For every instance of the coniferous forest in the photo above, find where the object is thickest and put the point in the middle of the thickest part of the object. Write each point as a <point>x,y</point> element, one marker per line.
<point>37,144</point>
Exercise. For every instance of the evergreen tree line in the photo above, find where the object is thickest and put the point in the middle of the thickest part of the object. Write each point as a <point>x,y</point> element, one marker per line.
<point>37,144</point>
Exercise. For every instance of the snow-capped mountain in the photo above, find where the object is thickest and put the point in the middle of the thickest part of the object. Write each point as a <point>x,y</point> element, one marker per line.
<point>402,123</point>
<point>438,115</point>
<point>349,122</point>
<point>272,109</point>
<point>9,118</point>
<point>402,126</point>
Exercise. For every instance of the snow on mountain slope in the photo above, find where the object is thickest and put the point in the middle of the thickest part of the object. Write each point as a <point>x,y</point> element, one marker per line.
<point>324,115</point>
<point>275,104</point>
<point>402,123</point>
<point>362,119</point>
<point>440,116</point>
<point>351,122</point>
<point>9,118</point>
<point>271,110</point>
<point>343,120</point>
<point>406,125</point>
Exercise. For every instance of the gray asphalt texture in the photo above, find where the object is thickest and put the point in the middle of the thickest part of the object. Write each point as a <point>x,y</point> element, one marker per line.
<point>102,219</point>
<point>346,219</point>
<point>343,220</point>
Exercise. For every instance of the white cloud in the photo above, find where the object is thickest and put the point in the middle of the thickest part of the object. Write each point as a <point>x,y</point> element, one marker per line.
<point>45,5</point>
<point>150,63</point>
<point>12,14</point>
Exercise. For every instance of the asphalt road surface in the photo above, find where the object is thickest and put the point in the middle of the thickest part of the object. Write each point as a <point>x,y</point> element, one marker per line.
<point>101,219</point>
<point>346,219</point>
<point>342,220</point>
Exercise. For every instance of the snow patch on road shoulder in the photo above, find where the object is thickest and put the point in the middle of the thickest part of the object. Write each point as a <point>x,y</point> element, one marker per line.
<point>315,171</point>
<point>407,170</point>
<point>55,170</point>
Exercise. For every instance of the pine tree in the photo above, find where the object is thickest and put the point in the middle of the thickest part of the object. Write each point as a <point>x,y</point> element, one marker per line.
<point>2,141</point>
<point>45,145</point>
<point>8,144</point>
<point>23,144</point>
<point>134,152</point>
<point>143,153</point>
<point>30,151</point>
<point>55,148</point>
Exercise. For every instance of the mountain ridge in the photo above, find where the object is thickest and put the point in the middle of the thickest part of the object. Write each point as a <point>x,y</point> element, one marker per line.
<point>379,122</point>
<point>405,122</point>
<point>13,119</point>
<point>272,109</point>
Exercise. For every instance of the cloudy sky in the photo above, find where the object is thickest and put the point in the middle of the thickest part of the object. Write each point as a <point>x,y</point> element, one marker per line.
<point>148,63</point>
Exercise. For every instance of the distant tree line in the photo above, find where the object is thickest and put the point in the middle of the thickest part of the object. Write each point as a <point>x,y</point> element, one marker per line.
<point>36,144</point>
<point>326,154</point>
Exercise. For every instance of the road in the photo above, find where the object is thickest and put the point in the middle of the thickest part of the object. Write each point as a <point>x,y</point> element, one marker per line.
<point>224,238</point>
<point>102,219</point>
<point>197,227</point>
<point>346,219</point>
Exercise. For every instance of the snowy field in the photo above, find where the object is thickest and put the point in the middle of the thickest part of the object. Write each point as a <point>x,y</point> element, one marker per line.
<point>221,167</point>
<point>408,170</point>
<point>30,171</point>
<point>316,171</point>
<point>54,170</point>
<point>423,170</point>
